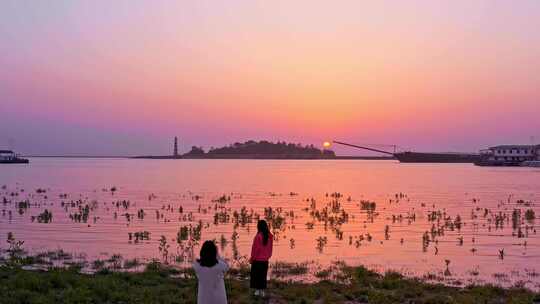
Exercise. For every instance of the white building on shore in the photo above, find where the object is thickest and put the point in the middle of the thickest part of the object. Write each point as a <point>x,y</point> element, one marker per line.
<point>6,155</point>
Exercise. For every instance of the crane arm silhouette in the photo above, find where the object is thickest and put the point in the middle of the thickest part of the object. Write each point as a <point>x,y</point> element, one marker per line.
<point>360,147</point>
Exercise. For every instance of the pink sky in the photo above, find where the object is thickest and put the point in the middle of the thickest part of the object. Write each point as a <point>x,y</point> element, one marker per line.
<point>124,77</point>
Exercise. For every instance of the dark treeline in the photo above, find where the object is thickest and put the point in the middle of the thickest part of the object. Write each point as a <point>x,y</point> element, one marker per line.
<point>263,147</point>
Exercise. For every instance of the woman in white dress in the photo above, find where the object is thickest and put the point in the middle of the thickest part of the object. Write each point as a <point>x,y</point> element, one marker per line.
<point>210,270</point>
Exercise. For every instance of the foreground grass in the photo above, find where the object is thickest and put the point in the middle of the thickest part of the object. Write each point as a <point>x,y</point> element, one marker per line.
<point>158,284</point>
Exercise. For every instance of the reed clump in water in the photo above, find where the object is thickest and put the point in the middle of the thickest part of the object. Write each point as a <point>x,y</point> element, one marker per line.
<point>285,269</point>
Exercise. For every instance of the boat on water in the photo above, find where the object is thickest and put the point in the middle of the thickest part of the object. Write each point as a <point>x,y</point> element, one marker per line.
<point>423,157</point>
<point>510,156</point>
<point>531,163</point>
<point>9,157</point>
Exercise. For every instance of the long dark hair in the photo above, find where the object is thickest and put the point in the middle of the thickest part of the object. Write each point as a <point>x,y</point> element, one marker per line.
<point>208,254</point>
<point>262,227</point>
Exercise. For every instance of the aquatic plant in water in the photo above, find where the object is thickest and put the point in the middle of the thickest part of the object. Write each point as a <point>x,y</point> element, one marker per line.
<point>15,247</point>
<point>164,249</point>
<point>45,217</point>
<point>530,215</point>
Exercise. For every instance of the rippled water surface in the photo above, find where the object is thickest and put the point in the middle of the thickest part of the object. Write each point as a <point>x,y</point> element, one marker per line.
<point>423,215</point>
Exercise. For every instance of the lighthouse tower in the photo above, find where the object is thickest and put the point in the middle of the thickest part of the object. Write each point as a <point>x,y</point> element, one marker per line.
<point>175,153</point>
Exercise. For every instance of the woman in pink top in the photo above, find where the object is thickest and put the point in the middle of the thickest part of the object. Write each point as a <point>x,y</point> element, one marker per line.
<point>261,251</point>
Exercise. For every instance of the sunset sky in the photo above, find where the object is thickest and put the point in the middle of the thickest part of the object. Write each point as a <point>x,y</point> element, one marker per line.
<point>124,77</point>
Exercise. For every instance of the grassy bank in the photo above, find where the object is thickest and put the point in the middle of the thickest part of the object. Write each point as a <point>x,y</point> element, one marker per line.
<point>159,284</point>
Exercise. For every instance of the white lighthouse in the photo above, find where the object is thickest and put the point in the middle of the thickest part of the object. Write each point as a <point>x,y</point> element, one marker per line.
<point>175,151</point>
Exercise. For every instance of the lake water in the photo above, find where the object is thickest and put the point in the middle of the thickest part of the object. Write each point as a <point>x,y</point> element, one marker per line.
<point>411,199</point>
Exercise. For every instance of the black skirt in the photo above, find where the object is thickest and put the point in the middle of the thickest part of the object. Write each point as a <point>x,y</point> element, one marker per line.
<point>259,270</point>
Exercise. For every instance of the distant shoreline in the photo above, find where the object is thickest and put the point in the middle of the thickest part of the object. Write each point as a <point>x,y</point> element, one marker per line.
<point>248,157</point>
<point>74,156</point>
<point>268,157</point>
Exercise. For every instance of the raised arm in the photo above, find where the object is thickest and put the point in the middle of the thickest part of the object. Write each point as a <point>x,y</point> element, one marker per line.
<point>196,267</point>
<point>224,265</point>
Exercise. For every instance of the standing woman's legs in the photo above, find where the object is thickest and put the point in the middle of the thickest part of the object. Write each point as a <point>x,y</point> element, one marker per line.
<point>259,271</point>
<point>253,277</point>
<point>264,275</point>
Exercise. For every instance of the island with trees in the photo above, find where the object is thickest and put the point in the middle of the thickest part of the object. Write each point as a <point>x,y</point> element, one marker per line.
<point>261,150</point>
